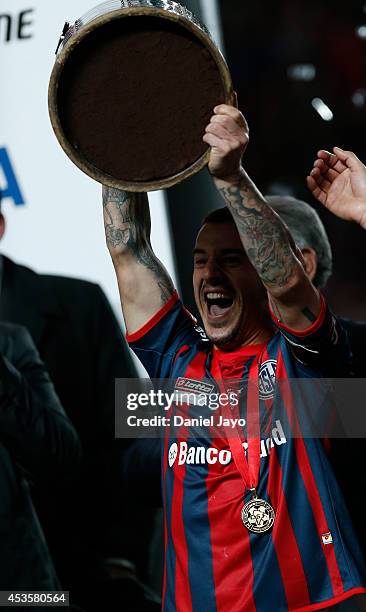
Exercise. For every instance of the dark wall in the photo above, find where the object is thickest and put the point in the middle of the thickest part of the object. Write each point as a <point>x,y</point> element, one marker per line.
<point>264,42</point>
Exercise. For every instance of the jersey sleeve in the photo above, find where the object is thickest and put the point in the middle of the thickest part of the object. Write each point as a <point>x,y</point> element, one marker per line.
<point>323,346</point>
<point>157,342</point>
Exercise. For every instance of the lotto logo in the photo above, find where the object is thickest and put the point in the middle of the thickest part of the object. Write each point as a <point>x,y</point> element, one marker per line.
<point>193,386</point>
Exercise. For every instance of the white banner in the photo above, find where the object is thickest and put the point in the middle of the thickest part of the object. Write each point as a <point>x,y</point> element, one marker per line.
<point>53,211</point>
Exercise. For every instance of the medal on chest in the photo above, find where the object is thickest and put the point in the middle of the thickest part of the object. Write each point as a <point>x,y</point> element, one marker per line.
<point>257,515</point>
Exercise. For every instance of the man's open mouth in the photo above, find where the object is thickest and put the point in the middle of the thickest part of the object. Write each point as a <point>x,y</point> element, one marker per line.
<point>218,303</point>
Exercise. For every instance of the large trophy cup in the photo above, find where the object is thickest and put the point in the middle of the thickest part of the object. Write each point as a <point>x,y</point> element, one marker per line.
<point>133,87</point>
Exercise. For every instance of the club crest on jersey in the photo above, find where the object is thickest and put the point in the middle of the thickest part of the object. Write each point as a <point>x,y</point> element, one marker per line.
<point>267,379</point>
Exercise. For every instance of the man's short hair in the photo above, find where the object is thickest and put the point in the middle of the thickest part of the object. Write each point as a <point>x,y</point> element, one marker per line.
<point>219,215</point>
<point>307,230</point>
<point>305,227</point>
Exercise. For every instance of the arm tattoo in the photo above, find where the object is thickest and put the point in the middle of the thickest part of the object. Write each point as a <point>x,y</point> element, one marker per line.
<point>127,228</point>
<point>265,238</point>
<point>116,201</point>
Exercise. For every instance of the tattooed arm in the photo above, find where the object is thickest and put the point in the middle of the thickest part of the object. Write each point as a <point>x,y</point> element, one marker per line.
<point>143,282</point>
<point>264,236</point>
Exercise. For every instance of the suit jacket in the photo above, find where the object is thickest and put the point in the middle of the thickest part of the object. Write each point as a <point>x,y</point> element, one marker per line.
<point>348,455</point>
<point>82,346</point>
<point>37,443</point>
<point>356,331</point>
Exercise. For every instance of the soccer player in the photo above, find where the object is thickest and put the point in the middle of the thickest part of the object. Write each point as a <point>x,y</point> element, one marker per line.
<point>338,181</point>
<point>251,524</point>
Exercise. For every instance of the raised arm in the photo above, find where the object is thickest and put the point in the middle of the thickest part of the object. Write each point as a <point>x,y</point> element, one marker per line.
<point>264,236</point>
<point>144,284</point>
<point>338,181</point>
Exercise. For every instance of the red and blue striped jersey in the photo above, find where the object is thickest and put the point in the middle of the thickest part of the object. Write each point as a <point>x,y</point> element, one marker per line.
<point>311,559</point>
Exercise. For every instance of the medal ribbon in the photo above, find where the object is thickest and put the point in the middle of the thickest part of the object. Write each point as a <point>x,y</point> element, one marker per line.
<point>249,466</point>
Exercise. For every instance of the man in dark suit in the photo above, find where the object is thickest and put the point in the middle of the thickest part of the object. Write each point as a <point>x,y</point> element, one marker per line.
<point>346,455</point>
<point>94,518</point>
<point>309,234</point>
<point>37,444</point>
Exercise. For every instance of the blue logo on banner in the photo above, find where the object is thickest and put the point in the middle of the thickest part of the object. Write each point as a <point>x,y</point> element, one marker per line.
<point>11,189</point>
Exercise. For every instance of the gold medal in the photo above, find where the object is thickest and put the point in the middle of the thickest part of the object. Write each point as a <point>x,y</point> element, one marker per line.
<point>258,515</point>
